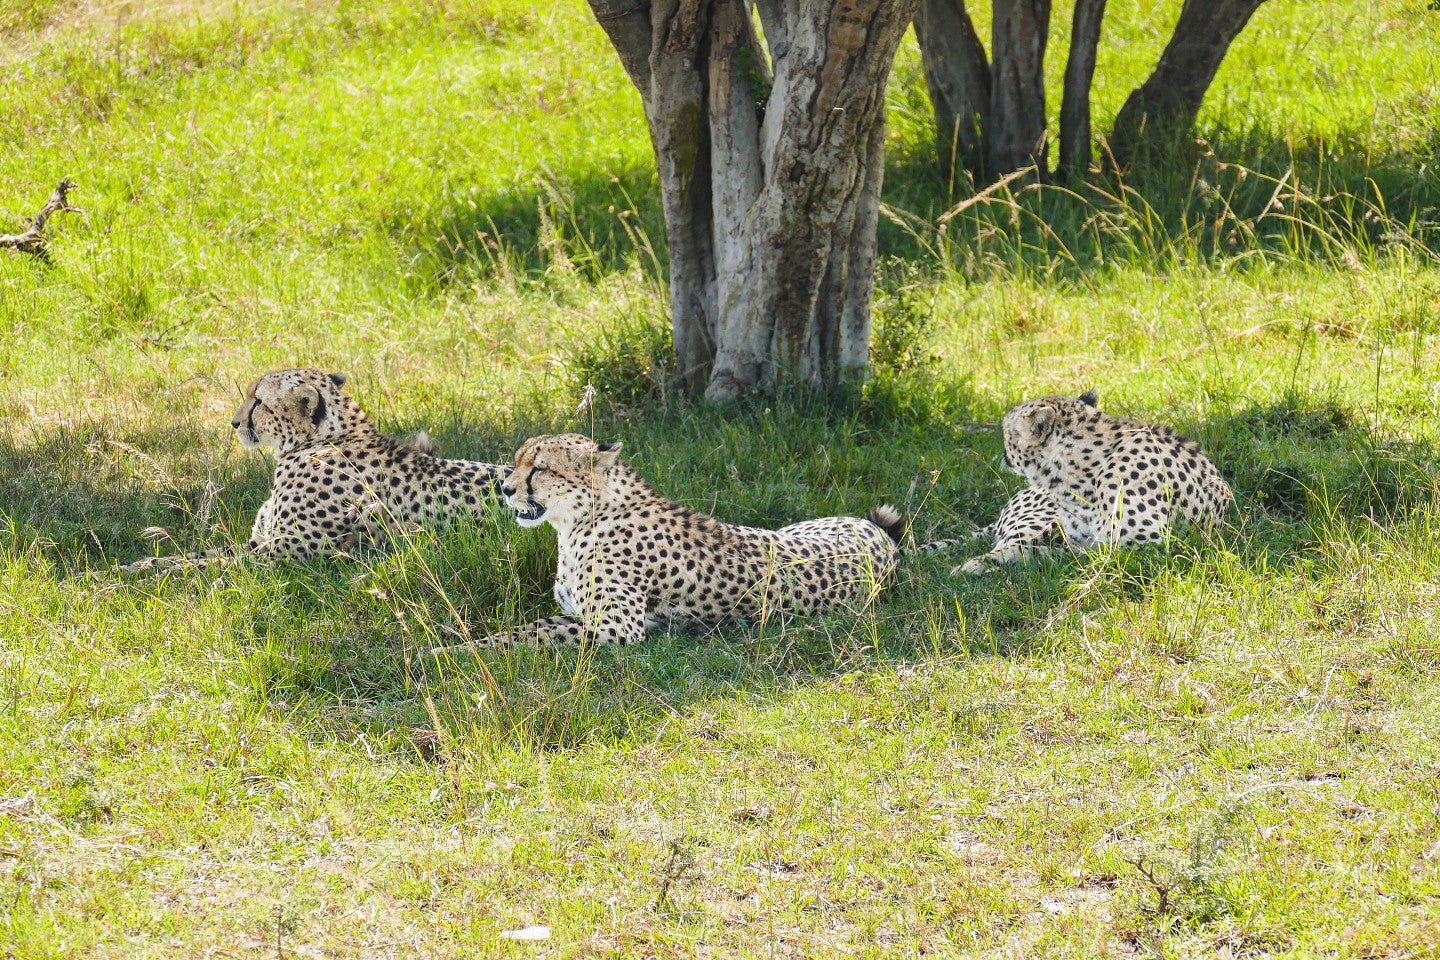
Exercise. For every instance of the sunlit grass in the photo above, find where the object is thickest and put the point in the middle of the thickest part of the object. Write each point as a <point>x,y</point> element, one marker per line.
<point>454,204</point>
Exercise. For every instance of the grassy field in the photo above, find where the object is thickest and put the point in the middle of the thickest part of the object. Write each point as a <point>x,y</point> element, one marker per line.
<point>1227,751</point>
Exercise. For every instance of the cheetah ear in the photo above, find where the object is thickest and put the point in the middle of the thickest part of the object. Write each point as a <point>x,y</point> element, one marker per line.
<point>1042,423</point>
<point>1091,397</point>
<point>605,455</point>
<point>310,403</point>
<point>338,379</point>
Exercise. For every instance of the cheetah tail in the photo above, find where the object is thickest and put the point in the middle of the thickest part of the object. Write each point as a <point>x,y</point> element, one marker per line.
<point>1222,491</point>
<point>422,442</point>
<point>892,521</point>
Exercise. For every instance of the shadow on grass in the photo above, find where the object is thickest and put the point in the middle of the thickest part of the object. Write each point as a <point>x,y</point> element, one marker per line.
<point>1226,196</point>
<point>350,632</point>
<point>339,644</point>
<point>591,226</point>
<point>1315,460</point>
<point>805,459</point>
<point>1230,195</point>
<point>83,495</point>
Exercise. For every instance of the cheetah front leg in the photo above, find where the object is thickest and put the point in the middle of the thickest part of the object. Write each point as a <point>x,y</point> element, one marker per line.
<point>1061,533</point>
<point>1002,553</point>
<point>208,559</point>
<point>275,548</point>
<point>217,557</point>
<point>1030,524</point>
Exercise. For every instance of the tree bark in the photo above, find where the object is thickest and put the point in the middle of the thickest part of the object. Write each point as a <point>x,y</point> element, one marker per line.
<point>1166,105</point>
<point>957,76</point>
<point>1079,72</point>
<point>770,164</point>
<point>1017,136</point>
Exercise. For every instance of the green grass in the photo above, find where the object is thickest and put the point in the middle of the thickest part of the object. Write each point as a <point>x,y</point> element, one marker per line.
<point>454,203</point>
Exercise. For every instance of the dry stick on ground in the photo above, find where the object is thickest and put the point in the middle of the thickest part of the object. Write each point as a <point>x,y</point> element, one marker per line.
<point>33,241</point>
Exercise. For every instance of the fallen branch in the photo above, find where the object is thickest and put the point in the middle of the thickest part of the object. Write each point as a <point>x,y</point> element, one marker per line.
<point>33,241</point>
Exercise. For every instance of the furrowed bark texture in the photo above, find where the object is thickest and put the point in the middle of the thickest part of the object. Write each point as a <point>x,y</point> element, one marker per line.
<point>1167,104</point>
<point>957,76</point>
<point>770,165</point>
<point>1079,72</point>
<point>1017,136</point>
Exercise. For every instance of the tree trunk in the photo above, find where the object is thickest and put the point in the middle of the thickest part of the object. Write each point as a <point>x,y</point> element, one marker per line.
<point>957,75</point>
<point>770,184</point>
<point>1017,136</point>
<point>1166,105</point>
<point>1079,71</point>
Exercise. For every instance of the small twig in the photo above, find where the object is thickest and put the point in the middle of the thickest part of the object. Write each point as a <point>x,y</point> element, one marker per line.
<point>1162,889</point>
<point>679,867</point>
<point>33,241</point>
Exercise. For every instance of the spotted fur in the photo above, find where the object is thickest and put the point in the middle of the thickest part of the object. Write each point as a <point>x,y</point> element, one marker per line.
<point>339,482</point>
<point>1097,479</point>
<point>629,559</point>
<point>1029,523</point>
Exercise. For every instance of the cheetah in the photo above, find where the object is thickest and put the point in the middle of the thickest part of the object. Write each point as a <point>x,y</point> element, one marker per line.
<point>339,483</point>
<point>1096,479</point>
<point>631,560</point>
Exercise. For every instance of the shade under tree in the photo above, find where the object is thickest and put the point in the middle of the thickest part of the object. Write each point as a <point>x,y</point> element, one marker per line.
<point>991,117</point>
<point>1164,108</point>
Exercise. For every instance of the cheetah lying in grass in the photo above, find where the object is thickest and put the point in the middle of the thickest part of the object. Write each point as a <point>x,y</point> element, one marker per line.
<point>339,483</point>
<point>1096,479</point>
<point>631,559</point>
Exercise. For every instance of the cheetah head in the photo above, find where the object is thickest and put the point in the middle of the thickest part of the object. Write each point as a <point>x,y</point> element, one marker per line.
<point>1031,427</point>
<point>557,479</point>
<point>288,409</point>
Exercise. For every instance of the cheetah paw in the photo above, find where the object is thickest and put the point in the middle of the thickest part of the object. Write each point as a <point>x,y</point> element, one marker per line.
<point>975,567</point>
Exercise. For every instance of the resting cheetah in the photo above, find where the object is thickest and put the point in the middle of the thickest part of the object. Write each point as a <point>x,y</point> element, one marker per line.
<point>338,481</point>
<point>1096,479</point>
<point>631,559</point>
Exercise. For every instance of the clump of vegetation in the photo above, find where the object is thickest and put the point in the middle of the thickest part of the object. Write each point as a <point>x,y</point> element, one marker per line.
<point>626,363</point>
<point>903,341</point>
<point>1292,417</point>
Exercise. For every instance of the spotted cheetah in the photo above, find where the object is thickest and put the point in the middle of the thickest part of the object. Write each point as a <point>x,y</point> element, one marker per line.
<point>339,483</point>
<point>629,559</point>
<point>1096,479</point>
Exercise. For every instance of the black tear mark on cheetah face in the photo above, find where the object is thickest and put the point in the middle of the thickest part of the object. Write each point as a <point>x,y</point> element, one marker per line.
<point>291,409</point>
<point>558,479</point>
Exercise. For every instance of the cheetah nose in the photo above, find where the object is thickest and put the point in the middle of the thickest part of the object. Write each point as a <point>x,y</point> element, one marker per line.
<point>506,489</point>
<point>235,423</point>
